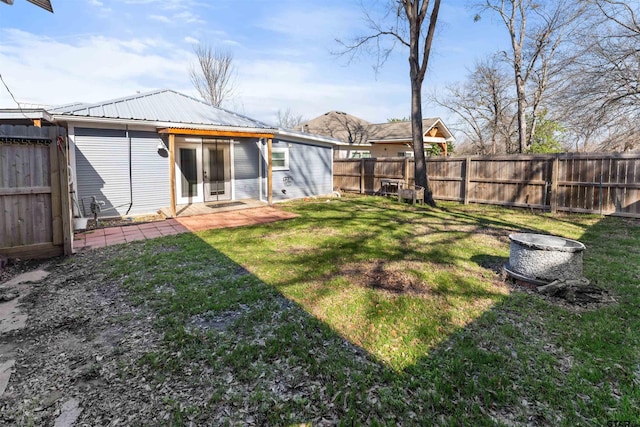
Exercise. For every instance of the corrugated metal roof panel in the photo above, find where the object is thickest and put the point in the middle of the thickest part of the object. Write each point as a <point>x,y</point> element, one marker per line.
<point>45,4</point>
<point>162,106</point>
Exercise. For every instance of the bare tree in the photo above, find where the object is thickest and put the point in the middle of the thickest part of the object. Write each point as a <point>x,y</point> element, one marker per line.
<point>213,74</point>
<point>613,61</point>
<point>484,106</point>
<point>536,31</point>
<point>403,23</point>
<point>601,97</point>
<point>288,119</point>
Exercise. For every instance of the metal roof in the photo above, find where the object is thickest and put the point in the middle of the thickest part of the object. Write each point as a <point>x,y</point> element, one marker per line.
<point>45,4</point>
<point>161,106</point>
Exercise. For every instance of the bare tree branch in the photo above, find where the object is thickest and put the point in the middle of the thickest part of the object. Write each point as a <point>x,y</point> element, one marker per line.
<point>213,74</point>
<point>288,119</point>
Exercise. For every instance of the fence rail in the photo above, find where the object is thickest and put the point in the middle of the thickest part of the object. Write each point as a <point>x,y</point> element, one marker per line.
<point>589,183</point>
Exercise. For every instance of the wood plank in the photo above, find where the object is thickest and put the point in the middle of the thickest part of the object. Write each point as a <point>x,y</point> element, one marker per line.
<point>65,199</point>
<point>555,175</point>
<point>467,180</point>
<point>37,251</point>
<point>446,178</point>
<point>629,185</point>
<point>4,165</point>
<point>362,181</point>
<point>509,181</point>
<point>4,231</point>
<point>213,132</point>
<point>22,191</point>
<point>56,205</point>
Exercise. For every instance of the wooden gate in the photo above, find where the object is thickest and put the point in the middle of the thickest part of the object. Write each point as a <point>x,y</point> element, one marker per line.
<point>35,219</point>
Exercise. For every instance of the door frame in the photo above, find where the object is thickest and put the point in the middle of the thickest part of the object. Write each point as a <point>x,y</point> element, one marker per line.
<point>226,154</point>
<point>198,198</point>
<point>201,148</point>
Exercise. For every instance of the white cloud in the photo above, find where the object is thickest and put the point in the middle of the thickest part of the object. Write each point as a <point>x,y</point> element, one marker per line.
<point>266,86</point>
<point>96,3</point>
<point>188,17</point>
<point>94,69</point>
<point>160,18</point>
<point>191,40</point>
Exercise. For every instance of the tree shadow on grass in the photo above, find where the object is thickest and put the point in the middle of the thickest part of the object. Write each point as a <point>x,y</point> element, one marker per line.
<point>513,359</point>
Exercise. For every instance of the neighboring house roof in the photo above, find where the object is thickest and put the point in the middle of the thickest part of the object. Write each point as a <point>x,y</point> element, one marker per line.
<point>160,106</point>
<point>338,125</point>
<point>396,131</point>
<point>344,126</point>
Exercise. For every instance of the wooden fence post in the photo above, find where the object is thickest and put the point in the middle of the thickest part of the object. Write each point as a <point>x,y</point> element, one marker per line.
<point>555,172</point>
<point>467,179</point>
<point>405,172</point>
<point>65,200</point>
<point>362,189</point>
<point>56,197</point>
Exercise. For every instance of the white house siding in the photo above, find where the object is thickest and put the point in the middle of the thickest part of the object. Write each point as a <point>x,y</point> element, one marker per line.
<point>102,170</point>
<point>246,170</point>
<point>309,174</point>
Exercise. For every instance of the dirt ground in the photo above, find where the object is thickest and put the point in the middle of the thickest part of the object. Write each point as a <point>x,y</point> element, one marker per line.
<point>80,330</point>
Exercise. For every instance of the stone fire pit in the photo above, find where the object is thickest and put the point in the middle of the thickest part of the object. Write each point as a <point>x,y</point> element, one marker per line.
<point>541,259</point>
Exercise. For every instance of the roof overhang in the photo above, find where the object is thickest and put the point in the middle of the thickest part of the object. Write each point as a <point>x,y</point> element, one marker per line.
<point>308,137</point>
<point>351,145</point>
<point>261,133</point>
<point>443,128</point>
<point>25,114</point>
<point>427,139</point>
<point>35,117</point>
<point>45,4</point>
<point>391,141</point>
<point>172,127</point>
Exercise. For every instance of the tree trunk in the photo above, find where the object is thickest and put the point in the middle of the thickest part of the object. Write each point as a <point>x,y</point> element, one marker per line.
<point>420,163</point>
<point>417,77</point>
<point>523,147</point>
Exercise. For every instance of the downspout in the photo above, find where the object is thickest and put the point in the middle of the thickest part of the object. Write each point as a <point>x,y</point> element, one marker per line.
<point>130,171</point>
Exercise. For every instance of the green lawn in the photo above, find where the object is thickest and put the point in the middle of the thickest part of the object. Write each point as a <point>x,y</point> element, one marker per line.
<point>391,313</point>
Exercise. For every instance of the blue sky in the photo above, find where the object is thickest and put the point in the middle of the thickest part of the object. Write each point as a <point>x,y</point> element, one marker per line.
<point>94,50</point>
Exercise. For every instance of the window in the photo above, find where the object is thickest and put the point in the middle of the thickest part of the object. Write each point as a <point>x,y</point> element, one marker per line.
<point>361,154</point>
<point>405,154</point>
<point>280,159</point>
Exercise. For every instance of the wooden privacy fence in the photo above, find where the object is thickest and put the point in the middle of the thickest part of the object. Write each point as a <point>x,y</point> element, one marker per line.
<point>35,220</point>
<point>589,183</point>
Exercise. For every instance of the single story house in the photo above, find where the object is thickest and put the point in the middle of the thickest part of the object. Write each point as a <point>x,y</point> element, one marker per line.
<point>163,149</point>
<point>360,138</point>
